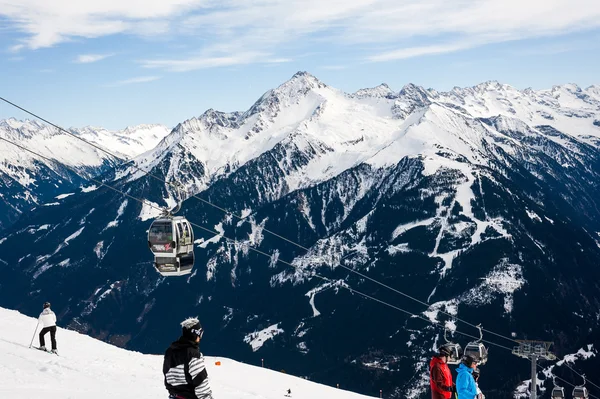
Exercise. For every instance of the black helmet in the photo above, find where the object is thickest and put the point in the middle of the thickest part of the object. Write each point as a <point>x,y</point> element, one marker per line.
<point>46,305</point>
<point>468,360</point>
<point>445,350</point>
<point>191,328</point>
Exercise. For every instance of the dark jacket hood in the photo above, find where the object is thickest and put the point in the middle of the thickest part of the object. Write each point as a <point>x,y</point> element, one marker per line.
<point>184,342</point>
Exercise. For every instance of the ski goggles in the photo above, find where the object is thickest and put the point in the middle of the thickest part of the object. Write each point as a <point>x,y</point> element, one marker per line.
<point>199,332</point>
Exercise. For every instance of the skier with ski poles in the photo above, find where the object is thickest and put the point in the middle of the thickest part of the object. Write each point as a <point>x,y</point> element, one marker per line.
<point>48,319</point>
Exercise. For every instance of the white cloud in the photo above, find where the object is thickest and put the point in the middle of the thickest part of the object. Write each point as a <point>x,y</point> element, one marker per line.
<point>334,67</point>
<point>204,61</point>
<point>16,48</point>
<point>379,29</point>
<point>278,60</point>
<point>88,58</point>
<point>139,79</point>
<point>410,52</point>
<point>47,23</point>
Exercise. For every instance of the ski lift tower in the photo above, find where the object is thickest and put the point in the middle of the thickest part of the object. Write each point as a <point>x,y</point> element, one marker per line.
<point>534,351</point>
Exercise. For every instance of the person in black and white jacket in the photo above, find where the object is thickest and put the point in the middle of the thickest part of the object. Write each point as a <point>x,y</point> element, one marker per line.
<point>183,366</point>
<point>48,319</point>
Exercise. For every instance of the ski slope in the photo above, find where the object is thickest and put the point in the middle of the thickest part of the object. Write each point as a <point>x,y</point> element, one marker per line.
<point>92,369</point>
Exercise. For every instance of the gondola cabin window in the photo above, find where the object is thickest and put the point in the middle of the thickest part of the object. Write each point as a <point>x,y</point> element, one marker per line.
<point>161,232</point>
<point>186,234</point>
<point>180,229</point>
<point>161,236</point>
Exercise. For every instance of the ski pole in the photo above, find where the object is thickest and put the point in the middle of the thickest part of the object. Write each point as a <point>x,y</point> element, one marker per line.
<point>32,338</point>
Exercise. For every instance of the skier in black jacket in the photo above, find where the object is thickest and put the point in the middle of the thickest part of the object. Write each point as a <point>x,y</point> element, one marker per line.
<point>183,367</point>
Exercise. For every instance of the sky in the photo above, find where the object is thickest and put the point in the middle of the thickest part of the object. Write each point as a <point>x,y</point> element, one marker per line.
<point>115,63</point>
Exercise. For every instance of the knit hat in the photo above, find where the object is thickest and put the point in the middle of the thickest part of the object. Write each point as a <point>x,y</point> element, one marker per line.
<point>46,305</point>
<point>191,328</point>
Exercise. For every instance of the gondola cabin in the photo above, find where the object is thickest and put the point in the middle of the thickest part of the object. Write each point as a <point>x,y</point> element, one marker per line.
<point>558,393</point>
<point>580,393</point>
<point>478,351</point>
<point>171,240</point>
<point>455,350</point>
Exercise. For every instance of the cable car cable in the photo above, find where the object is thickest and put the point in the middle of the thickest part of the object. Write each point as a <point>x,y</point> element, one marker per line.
<point>581,375</point>
<point>567,382</point>
<point>345,286</point>
<point>175,185</point>
<point>313,274</point>
<point>272,233</point>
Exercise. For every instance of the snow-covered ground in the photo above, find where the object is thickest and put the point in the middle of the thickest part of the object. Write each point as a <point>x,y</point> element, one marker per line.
<point>91,369</point>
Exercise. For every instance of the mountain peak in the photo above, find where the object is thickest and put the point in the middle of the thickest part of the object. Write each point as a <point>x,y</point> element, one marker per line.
<point>488,85</point>
<point>27,124</point>
<point>303,75</point>
<point>383,90</point>
<point>290,92</point>
<point>213,117</point>
<point>571,87</point>
<point>415,93</point>
<point>301,80</point>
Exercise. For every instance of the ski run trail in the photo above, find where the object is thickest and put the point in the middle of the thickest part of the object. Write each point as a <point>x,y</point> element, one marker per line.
<point>92,369</point>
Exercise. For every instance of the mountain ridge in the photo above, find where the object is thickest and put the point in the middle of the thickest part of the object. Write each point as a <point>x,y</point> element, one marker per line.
<point>483,212</point>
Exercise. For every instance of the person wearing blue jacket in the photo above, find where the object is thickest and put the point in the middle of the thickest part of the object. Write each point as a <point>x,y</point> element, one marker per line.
<point>465,383</point>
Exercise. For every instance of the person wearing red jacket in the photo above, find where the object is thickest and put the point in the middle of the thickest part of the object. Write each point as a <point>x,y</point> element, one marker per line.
<point>440,377</point>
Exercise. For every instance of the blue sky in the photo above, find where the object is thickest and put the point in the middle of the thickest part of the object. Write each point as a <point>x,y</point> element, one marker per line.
<point>116,63</point>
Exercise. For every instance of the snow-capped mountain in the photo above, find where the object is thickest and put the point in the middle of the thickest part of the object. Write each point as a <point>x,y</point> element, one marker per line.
<point>93,369</point>
<point>27,180</point>
<point>127,143</point>
<point>482,202</point>
<point>50,143</point>
<point>304,116</point>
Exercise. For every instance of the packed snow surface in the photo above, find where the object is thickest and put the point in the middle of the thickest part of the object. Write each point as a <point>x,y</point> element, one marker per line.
<point>92,369</point>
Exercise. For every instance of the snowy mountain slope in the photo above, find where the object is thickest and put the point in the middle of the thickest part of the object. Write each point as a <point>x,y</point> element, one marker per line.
<point>93,369</point>
<point>127,143</point>
<point>332,131</point>
<point>485,216</point>
<point>303,118</point>
<point>51,143</point>
<point>28,180</point>
<point>567,108</point>
<point>18,196</point>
